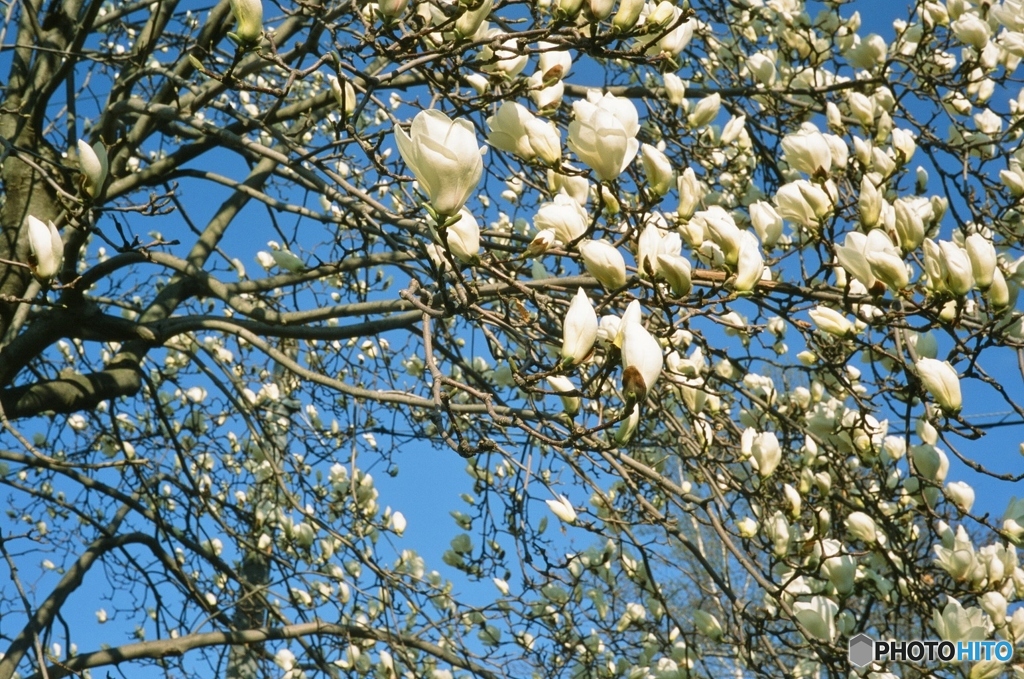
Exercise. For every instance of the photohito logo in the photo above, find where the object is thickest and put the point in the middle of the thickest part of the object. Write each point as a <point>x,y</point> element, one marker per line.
<point>864,650</point>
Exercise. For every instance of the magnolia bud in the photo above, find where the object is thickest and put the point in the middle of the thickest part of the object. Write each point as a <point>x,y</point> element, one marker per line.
<point>749,264</point>
<point>705,111</point>
<point>579,331</point>
<point>541,242</point>
<point>344,93</point>
<point>642,361</point>
<point>93,164</point>
<point>766,452</point>
<point>707,624</point>
<point>604,262</point>
<point>767,222</point>
<point>46,249</point>
<point>249,21</point>
<point>982,254</point>
<point>831,321</point>
<point>746,527</point>
<point>464,237</point>
<point>860,526</point>
<point>691,193</point>
<point>658,169</point>
<point>942,383</point>
<point>563,386</point>
<point>674,89</point>
<point>628,15</point>
<point>957,275</point>
<point>628,427</point>
<point>563,509</point>
<point>677,271</point>
<point>869,202</point>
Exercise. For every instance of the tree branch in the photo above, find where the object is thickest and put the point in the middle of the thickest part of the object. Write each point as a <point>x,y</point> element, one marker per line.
<point>173,647</point>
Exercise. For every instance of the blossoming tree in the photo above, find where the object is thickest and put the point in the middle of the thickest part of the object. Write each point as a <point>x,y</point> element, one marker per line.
<point>705,305</point>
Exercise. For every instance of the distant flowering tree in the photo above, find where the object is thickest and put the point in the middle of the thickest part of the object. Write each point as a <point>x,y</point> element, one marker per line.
<point>711,299</point>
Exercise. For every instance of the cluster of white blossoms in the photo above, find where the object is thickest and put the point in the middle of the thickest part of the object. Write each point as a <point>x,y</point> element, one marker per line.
<point>839,190</point>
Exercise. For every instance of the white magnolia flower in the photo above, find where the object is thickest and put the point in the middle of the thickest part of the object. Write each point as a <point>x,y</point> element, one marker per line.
<point>941,381</point>
<point>747,527</point>
<point>677,271</point>
<point>807,151</point>
<point>930,462</point>
<point>955,267</point>
<point>575,186</point>
<point>601,9</point>
<point>904,143</point>
<point>720,227</point>
<point>869,202</point>
<point>749,263</point>
<point>840,569</point>
<point>93,164</point>
<point>861,527</point>
<point>862,107</point>
<point>691,193</point>
<point>762,68</point>
<point>818,617</point>
<point>579,330</point>
<point>868,53</point>
<point>505,59</point>
<point>604,262</point>
<point>956,555</point>
<point>705,111</point>
<point>960,494</point>
<point>955,623</point>
<point>982,254</point>
<point>392,8</point>
<point>803,202</point>
<point>642,361</point>
<point>471,20</point>
<point>707,624</point>
<point>767,222</point>
<point>553,63</point>
<point>287,260</point>
<point>628,14</point>
<point>248,20</point>
<point>1013,519</point>
<point>831,321</point>
<point>651,243</point>
<point>562,508</point>
<point>675,90</point>
<point>909,225</point>
<point>972,30</point>
<point>565,216</point>
<point>660,175</point>
<point>464,237</point>
<point>766,452</point>
<point>516,130</point>
<point>545,97</point>
<point>45,247</point>
<point>603,133</point>
<point>444,156</point>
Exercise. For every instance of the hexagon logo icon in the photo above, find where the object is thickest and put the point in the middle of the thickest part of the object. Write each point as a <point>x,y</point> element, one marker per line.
<point>862,650</point>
